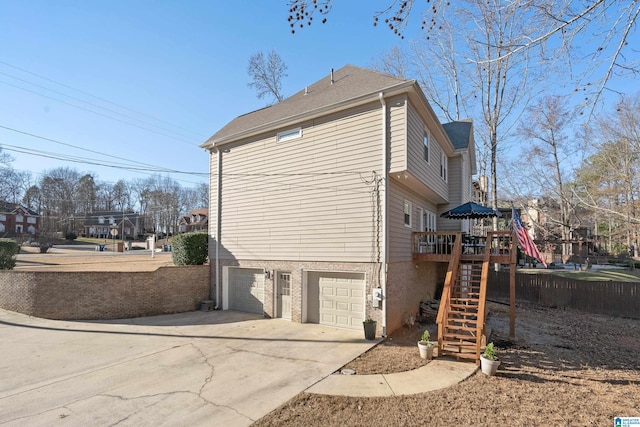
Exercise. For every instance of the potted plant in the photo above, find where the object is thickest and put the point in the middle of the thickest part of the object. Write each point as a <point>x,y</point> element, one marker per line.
<point>369,328</point>
<point>425,346</point>
<point>489,360</point>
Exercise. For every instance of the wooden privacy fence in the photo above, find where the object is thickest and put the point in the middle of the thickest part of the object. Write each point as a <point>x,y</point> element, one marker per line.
<point>611,298</point>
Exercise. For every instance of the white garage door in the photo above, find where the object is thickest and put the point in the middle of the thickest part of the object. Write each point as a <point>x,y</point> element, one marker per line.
<point>246,290</point>
<point>336,299</point>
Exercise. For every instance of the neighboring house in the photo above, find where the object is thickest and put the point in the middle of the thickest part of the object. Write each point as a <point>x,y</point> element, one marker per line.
<point>99,224</point>
<point>17,220</point>
<point>196,220</point>
<point>314,201</point>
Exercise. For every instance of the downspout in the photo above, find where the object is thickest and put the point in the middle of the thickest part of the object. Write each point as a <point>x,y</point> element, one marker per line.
<point>218,225</point>
<point>385,237</point>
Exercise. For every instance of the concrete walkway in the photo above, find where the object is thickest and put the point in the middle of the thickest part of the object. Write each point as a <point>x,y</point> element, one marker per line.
<point>437,374</point>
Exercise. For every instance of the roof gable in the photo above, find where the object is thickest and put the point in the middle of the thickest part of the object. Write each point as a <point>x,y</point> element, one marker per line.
<point>349,83</point>
<point>15,209</point>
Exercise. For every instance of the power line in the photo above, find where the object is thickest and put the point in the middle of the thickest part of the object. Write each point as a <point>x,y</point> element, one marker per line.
<point>72,146</point>
<point>101,114</point>
<point>96,162</point>
<point>98,97</point>
<point>86,102</point>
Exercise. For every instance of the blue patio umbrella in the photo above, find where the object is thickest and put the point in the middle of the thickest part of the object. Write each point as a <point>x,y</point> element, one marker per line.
<point>470,210</point>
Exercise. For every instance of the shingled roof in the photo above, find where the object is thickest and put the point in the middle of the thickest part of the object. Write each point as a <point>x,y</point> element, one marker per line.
<point>350,83</point>
<point>460,133</point>
<point>9,208</point>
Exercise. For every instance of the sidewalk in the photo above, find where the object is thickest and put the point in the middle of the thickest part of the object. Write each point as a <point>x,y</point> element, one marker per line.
<point>437,374</point>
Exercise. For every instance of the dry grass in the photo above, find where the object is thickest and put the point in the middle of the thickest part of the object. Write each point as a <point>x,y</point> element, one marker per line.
<point>565,368</point>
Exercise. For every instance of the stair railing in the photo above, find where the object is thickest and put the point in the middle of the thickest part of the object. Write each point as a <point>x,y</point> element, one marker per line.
<point>445,299</point>
<point>480,326</point>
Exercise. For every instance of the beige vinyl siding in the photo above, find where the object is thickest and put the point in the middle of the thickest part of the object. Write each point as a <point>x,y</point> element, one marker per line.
<point>467,192</point>
<point>308,198</point>
<point>428,173</point>
<point>456,192</point>
<point>399,235</point>
<point>397,116</point>
<point>213,200</point>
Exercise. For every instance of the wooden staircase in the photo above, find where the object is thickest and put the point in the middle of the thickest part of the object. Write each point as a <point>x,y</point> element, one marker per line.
<point>461,317</point>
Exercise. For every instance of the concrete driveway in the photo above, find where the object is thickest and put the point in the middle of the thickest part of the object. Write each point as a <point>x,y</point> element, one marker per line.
<point>198,368</point>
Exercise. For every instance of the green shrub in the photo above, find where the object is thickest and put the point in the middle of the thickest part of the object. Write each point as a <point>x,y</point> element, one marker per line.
<point>11,246</point>
<point>190,248</point>
<point>7,258</point>
<point>71,236</point>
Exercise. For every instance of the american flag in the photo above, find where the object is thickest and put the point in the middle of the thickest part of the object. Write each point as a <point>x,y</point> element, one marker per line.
<point>525,241</point>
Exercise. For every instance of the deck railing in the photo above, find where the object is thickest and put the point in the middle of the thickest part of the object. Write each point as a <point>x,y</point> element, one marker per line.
<point>438,245</point>
<point>434,242</point>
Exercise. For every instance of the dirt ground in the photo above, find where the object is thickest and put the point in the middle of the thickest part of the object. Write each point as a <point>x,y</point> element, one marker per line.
<point>65,259</point>
<point>564,368</point>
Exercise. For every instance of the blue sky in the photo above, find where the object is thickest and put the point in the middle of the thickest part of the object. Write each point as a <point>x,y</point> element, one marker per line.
<point>183,63</point>
<point>175,70</point>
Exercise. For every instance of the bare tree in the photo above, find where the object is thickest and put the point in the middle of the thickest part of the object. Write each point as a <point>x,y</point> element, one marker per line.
<point>596,32</point>
<point>121,195</point>
<point>267,74</point>
<point>464,72</point>
<point>608,182</point>
<point>546,156</point>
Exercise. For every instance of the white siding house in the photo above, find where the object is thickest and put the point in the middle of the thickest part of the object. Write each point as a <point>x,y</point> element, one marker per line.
<point>310,200</point>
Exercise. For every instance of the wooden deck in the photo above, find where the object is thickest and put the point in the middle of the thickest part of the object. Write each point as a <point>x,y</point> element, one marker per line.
<point>438,246</point>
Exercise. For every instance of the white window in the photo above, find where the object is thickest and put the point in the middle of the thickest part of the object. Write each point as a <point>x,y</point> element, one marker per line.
<point>425,142</point>
<point>289,134</point>
<point>429,221</point>
<point>3,217</point>
<point>31,229</point>
<point>101,220</point>
<point>407,213</point>
<point>444,165</point>
<point>31,220</point>
<point>19,218</point>
<point>112,220</point>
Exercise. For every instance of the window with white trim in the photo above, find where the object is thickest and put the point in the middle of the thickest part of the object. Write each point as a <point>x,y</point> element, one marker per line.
<point>31,220</point>
<point>444,165</point>
<point>425,143</point>
<point>288,135</point>
<point>429,220</point>
<point>407,213</point>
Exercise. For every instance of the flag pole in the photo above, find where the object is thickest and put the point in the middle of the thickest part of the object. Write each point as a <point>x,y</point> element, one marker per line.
<point>512,279</point>
<point>512,285</point>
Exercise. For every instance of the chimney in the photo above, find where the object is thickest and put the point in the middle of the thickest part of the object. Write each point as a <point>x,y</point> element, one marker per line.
<point>332,76</point>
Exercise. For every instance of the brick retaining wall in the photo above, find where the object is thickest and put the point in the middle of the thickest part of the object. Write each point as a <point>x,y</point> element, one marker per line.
<point>104,295</point>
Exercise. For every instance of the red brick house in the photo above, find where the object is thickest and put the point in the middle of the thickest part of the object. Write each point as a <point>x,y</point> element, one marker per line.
<point>17,220</point>
<point>196,220</point>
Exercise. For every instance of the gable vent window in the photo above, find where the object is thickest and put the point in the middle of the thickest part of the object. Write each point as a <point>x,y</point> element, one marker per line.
<point>288,135</point>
